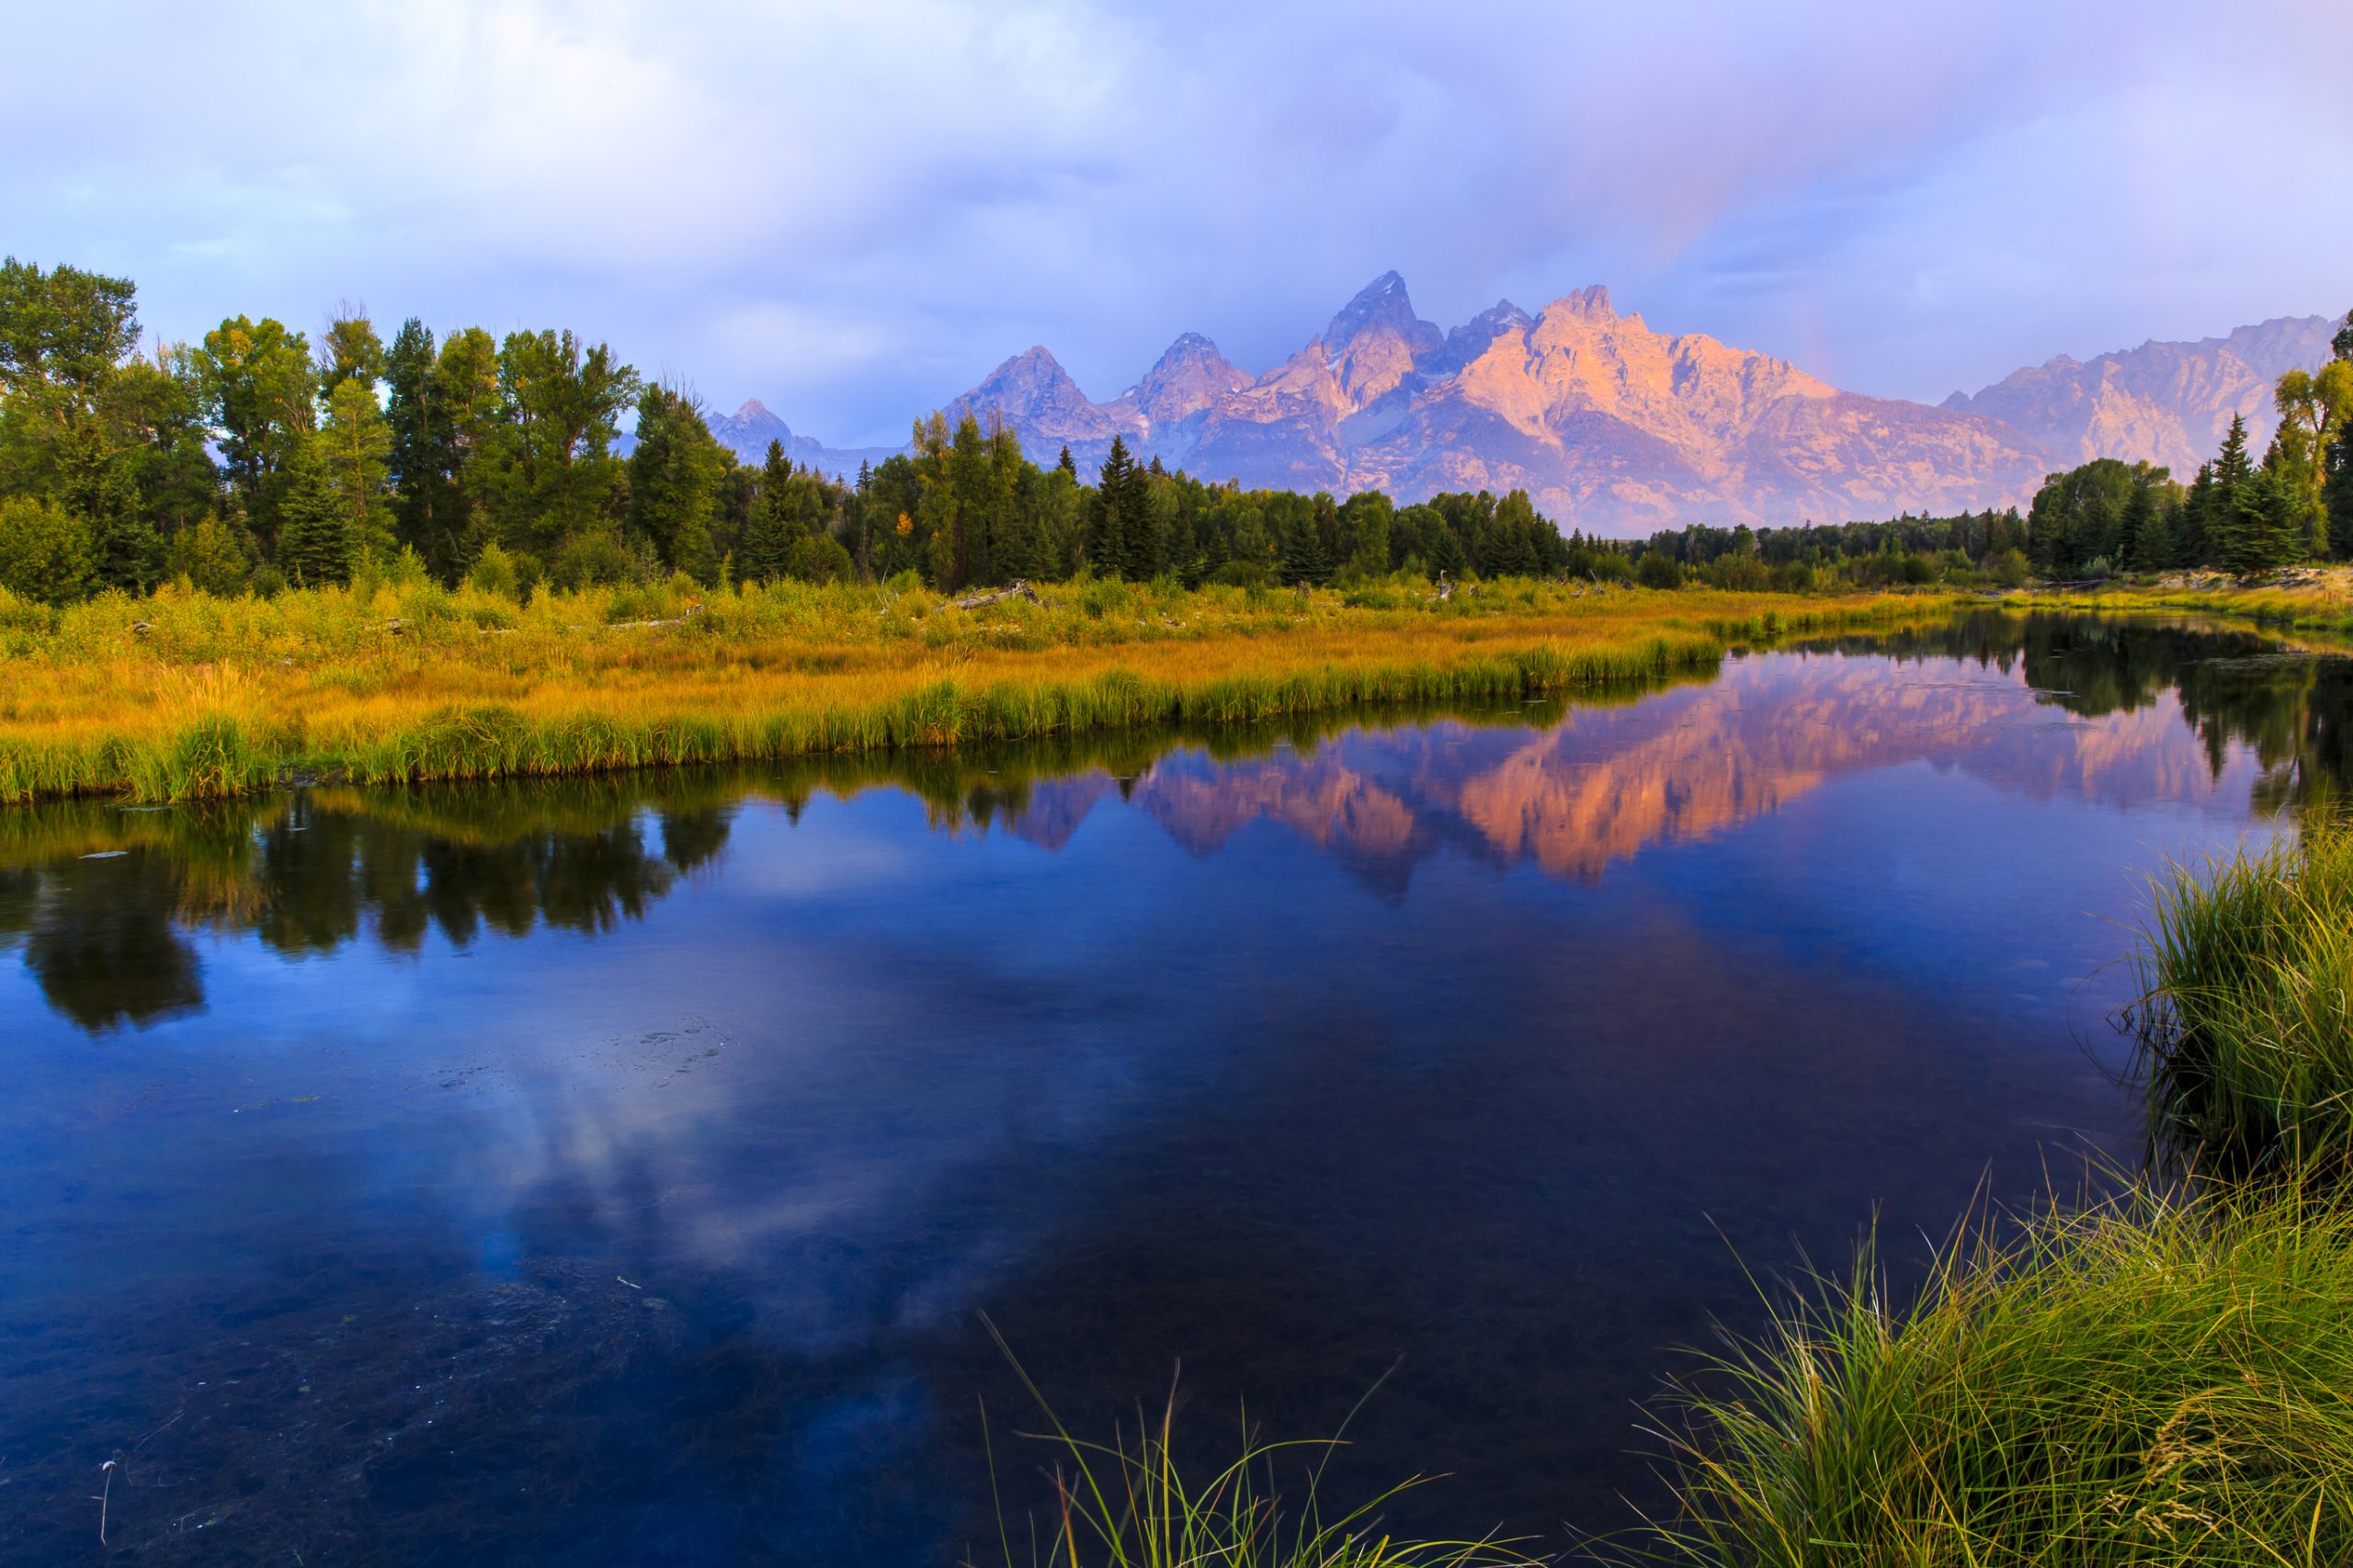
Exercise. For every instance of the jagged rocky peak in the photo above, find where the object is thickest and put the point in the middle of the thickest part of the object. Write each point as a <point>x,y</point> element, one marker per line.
<point>1472,339</point>
<point>1381,309</point>
<point>1033,393</point>
<point>1191,376</point>
<point>1591,300</point>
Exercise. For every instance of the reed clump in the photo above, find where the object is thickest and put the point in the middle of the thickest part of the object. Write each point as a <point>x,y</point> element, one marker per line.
<point>1133,1503</point>
<point>2151,1381</point>
<point>183,695</point>
<point>2246,1021</point>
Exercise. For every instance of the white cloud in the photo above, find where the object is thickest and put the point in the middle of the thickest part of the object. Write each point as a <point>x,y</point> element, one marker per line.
<point>853,209</point>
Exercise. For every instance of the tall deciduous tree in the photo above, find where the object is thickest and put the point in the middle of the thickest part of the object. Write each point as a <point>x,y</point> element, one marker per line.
<point>544,467</point>
<point>257,380</point>
<point>356,446</point>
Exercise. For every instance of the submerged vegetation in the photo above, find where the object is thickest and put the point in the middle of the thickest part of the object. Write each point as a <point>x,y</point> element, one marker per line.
<point>396,678</point>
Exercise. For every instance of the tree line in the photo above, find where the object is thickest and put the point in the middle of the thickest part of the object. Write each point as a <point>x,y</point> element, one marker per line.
<point>258,459</point>
<point>2236,514</point>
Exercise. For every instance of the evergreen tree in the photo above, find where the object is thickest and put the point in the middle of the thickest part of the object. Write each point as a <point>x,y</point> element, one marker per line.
<point>2145,533</point>
<point>98,490</point>
<point>314,543</point>
<point>2266,519</point>
<point>1065,464</point>
<point>1120,519</point>
<point>767,543</point>
<point>1304,558</point>
<point>421,458</point>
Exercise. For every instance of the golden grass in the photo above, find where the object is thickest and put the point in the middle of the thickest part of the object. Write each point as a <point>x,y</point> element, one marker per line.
<point>2314,599</point>
<point>182,696</point>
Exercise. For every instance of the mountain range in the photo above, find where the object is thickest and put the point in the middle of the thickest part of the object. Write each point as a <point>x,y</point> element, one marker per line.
<point>1609,425</point>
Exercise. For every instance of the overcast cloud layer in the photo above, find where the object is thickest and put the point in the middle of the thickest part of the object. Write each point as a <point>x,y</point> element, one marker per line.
<point>853,211</point>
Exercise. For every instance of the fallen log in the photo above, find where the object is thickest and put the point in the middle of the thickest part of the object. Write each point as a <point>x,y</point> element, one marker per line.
<point>1016,589</point>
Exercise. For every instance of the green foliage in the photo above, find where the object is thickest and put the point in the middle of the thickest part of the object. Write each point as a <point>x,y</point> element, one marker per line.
<point>256,382</point>
<point>1658,570</point>
<point>673,480</point>
<point>314,543</point>
<point>207,554</point>
<point>540,459</point>
<point>2096,512</point>
<point>44,551</point>
<point>62,331</point>
<point>355,445</point>
<point>494,571</point>
<point>350,351</point>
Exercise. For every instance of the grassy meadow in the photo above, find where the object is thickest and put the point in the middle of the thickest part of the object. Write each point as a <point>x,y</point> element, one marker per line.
<point>182,695</point>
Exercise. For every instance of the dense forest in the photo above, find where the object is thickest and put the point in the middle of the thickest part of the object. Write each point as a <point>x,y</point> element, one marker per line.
<point>258,459</point>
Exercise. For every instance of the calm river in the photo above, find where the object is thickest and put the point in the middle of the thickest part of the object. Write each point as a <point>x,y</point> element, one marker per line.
<point>618,1172</point>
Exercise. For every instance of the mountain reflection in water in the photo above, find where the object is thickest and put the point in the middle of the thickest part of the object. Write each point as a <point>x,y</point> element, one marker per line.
<point>614,1170</point>
<point>101,896</point>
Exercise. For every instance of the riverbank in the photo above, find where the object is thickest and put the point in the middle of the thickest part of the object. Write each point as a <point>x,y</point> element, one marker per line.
<point>2305,598</point>
<point>184,696</point>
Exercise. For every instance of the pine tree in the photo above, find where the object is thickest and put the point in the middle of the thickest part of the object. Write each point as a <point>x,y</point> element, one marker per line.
<point>1065,464</point>
<point>2264,529</point>
<point>767,543</point>
<point>429,509</point>
<point>98,489</point>
<point>2146,534</point>
<point>1304,557</point>
<point>313,537</point>
<point>1118,492</point>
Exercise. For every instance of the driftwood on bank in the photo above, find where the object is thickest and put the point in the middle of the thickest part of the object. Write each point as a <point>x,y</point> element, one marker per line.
<point>1016,589</point>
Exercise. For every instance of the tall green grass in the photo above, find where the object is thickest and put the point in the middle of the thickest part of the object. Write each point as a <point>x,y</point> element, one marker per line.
<point>2147,1383</point>
<point>2246,1017</point>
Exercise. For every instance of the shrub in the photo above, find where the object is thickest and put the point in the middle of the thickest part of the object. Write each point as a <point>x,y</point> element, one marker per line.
<point>1657,570</point>
<point>44,551</point>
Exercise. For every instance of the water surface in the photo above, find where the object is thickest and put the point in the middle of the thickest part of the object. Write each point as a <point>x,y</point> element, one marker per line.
<point>618,1171</point>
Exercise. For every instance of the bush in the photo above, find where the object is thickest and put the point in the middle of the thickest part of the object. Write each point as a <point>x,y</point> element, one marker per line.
<point>494,571</point>
<point>45,551</point>
<point>208,555</point>
<point>1656,570</point>
<point>819,558</point>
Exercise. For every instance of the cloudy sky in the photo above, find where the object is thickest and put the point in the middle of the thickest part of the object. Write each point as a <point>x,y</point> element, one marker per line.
<point>853,211</point>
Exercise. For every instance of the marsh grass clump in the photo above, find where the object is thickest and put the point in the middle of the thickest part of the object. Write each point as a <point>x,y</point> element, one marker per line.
<point>2245,1022</point>
<point>2149,1381</point>
<point>1130,1503</point>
